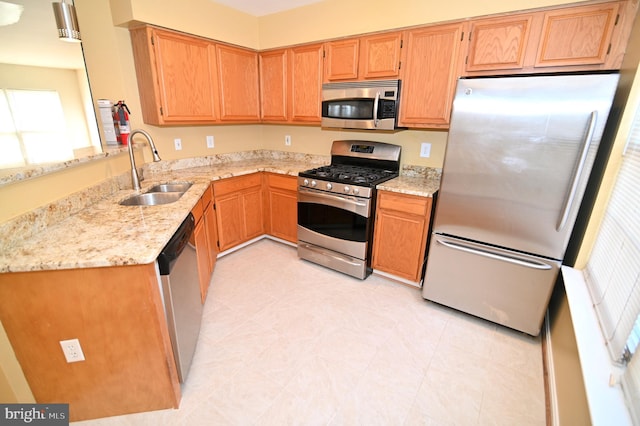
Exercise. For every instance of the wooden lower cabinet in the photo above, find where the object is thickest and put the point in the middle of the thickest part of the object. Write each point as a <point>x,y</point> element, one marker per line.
<point>239,209</point>
<point>117,315</point>
<point>400,235</point>
<point>282,206</point>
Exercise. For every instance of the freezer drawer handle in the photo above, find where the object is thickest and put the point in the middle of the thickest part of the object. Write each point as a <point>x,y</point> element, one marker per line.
<point>521,262</point>
<point>576,177</point>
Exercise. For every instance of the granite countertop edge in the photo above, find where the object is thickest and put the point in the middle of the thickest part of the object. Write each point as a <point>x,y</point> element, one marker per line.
<point>106,234</point>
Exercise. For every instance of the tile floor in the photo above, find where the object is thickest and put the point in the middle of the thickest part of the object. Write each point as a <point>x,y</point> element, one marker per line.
<point>287,342</point>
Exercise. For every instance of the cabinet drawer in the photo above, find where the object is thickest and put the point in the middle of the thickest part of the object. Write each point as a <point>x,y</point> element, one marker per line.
<point>289,183</point>
<point>206,197</point>
<point>234,184</point>
<point>197,211</point>
<point>410,204</point>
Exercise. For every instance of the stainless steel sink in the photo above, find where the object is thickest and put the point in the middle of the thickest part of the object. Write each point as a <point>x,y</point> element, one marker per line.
<point>171,187</point>
<point>152,199</point>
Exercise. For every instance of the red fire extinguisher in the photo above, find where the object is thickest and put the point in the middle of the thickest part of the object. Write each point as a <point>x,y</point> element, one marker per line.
<point>121,119</point>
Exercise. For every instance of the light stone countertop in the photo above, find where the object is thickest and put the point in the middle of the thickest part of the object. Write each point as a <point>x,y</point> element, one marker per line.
<point>107,234</point>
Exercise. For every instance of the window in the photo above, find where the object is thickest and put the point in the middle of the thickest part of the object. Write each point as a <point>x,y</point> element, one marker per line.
<point>32,128</point>
<point>613,271</point>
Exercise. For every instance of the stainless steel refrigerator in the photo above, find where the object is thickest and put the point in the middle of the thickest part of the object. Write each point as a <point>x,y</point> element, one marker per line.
<point>519,153</point>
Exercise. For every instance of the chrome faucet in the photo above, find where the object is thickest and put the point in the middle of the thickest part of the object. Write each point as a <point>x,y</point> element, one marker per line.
<point>135,180</point>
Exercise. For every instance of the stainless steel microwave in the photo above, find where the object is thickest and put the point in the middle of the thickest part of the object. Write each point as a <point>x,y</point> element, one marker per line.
<point>369,105</point>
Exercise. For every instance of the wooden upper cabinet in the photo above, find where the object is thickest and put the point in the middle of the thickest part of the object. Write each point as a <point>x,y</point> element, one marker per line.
<point>238,84</point>
<point>380,56</point>
<point>499,43</point>
<point>577,36</point>
<point>429,77</point>
<point>341,60</point>
<point>305,76</point>
<point>364,58</point>
<point>170,91</point>
<point>273,85</point>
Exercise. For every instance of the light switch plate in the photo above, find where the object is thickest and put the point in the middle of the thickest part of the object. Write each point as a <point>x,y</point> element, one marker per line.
<point>178,144</point>
<point>210,142</point>
<point>425,150</point>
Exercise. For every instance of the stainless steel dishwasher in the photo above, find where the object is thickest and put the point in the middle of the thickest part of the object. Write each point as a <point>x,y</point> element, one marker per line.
<point>178,267</point>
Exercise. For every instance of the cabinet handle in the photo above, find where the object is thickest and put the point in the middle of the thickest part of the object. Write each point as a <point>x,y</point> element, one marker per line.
<point>375,109</point>
<point>576,177</point>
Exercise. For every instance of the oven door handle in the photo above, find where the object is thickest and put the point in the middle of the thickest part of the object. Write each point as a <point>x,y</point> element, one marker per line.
<point>332,197</point>
<point>336,256</point>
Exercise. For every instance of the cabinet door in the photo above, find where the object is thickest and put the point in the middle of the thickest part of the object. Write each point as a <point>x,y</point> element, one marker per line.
<point>282,207</point>
<point>199,240</point>
<point>238,84</point>
<point>577,36</point>
<point>402,223</point>
<point>212,234</point>
<point>429,76</point>
<point>230,220</point>
<point>273,86</point>
<point>498,44</point>
<point>341,60</point>
<point>305,73</point>
<point>252,203</point>
<point>170,92</point>
<point>380,56</point>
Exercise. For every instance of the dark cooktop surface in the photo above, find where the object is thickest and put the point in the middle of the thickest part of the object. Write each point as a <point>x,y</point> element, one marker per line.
<point>355,175</point>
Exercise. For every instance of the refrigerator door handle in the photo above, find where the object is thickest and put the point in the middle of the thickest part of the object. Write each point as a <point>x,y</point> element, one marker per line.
<point>576,176</point>
<point>491,255</point>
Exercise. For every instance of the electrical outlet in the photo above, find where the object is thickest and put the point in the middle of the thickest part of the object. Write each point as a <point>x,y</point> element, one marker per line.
<point>178,144</point>
<point>287,140</point>
<point>210,142</point>
<point>425,150</point>
<point>72,350</point>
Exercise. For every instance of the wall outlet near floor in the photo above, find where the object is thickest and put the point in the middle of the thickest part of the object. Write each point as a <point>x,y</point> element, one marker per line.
<point>425,149</point>
<point>72,350</point>
<point>178,144</point>
<point>287,140</point>
<point>210,142</point>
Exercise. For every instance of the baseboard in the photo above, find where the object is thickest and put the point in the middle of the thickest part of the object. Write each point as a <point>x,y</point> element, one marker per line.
<point>553,417</point>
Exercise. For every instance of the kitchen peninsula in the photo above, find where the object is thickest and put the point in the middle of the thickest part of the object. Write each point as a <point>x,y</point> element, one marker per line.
<point>92,276</point>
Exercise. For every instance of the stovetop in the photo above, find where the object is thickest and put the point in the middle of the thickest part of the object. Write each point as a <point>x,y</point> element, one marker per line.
<point>354,175</point>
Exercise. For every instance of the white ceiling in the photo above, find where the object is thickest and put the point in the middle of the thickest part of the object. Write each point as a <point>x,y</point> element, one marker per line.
<point>33,40</point>
<point>264,7</point>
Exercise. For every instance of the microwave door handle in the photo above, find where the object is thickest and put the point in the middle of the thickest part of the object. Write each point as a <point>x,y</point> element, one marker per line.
<point>375,109</point>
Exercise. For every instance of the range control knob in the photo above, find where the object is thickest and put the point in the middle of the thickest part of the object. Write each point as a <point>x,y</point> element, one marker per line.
<point>305,182</point>
<point>347,189</point>
<point>314,183</point>
<point>329,186</point>
<point>356,191</point>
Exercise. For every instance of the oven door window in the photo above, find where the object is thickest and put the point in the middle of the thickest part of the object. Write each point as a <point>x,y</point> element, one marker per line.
<point>349,109</point>
<point>332,221</point>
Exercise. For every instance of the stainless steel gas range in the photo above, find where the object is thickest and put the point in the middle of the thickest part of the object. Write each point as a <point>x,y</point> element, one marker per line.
<point>336,205</point>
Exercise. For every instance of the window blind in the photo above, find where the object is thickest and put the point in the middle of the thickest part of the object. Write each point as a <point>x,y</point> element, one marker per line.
<point>613,270</point>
